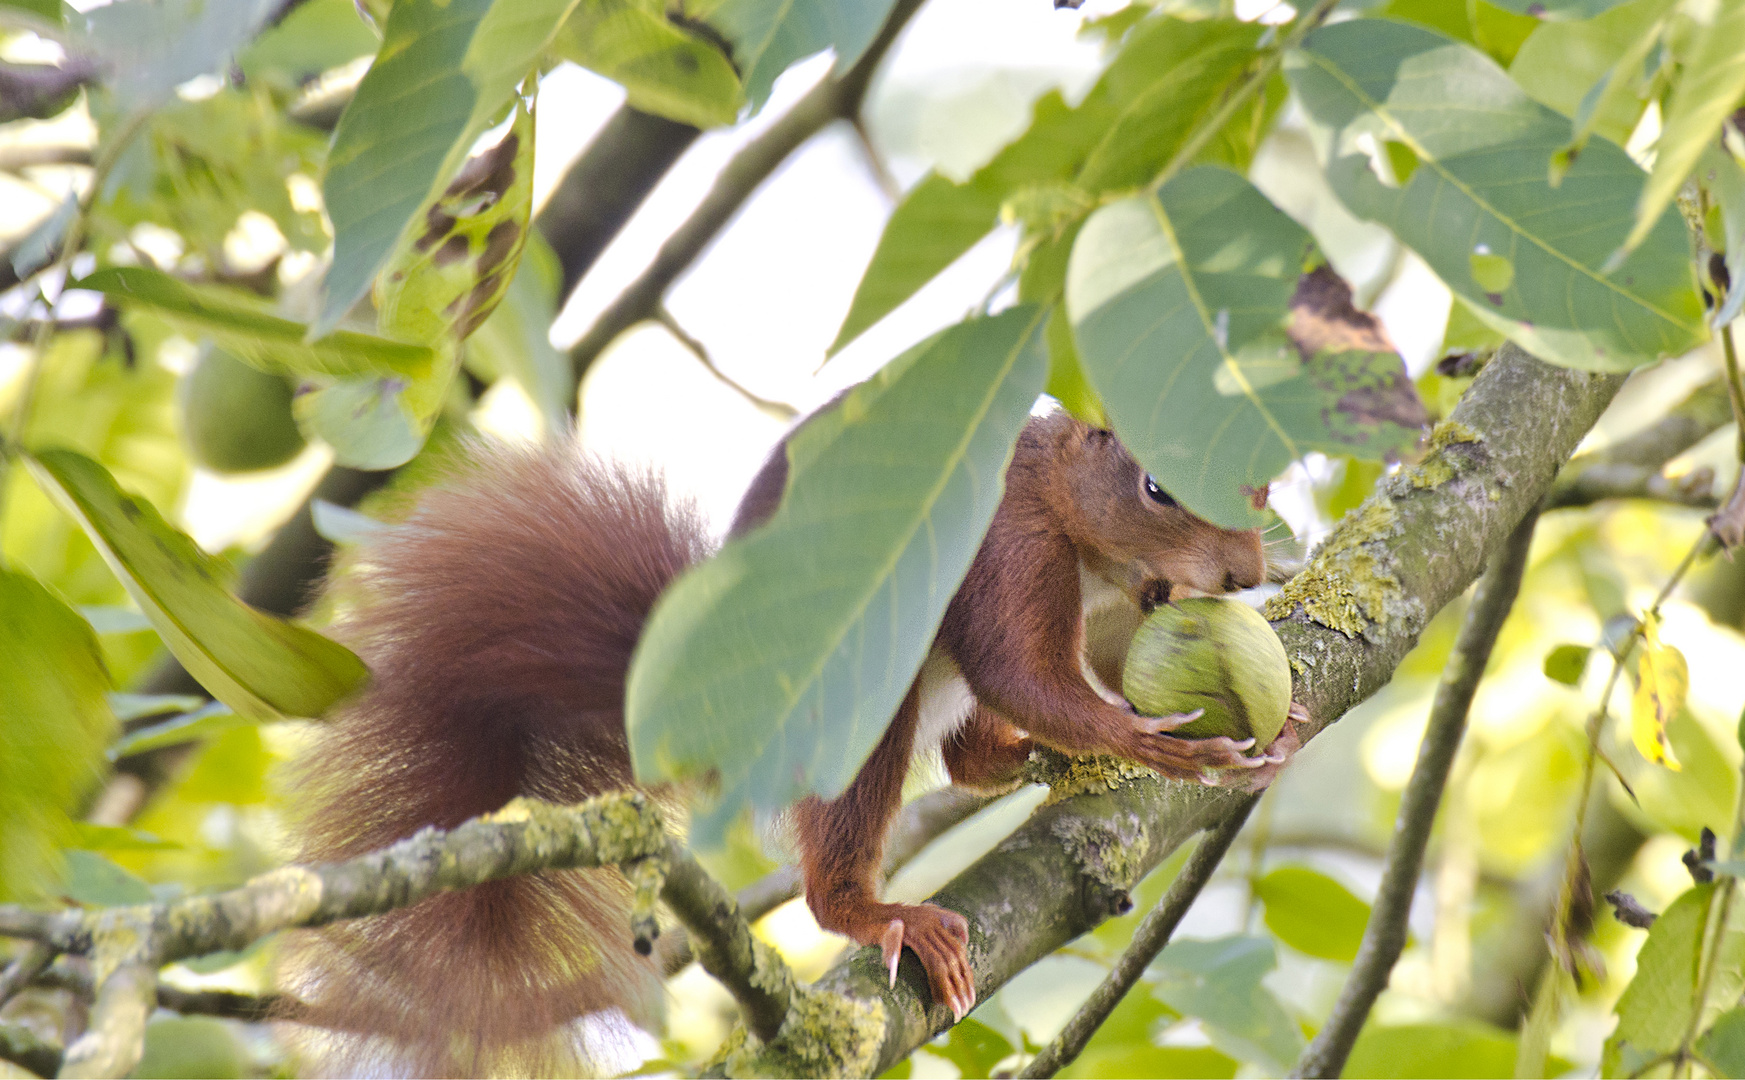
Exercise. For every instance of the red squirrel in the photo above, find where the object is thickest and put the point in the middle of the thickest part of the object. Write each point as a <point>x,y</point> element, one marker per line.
<point>498,622</point>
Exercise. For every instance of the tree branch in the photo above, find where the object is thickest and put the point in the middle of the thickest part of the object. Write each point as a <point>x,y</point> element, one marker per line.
<point>1631,468</point>
<point>127,945</point>
<point>22,1047</point>
<point>1346,621</point>
<point>23,970</point>
<point>604,186</point>
<point>837,97</point>
<point>1148,940</point>
<point>1385,935</point>
<point>922,821</point>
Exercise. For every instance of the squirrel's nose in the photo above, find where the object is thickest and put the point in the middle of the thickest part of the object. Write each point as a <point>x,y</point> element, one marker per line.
<point>1248,562</point>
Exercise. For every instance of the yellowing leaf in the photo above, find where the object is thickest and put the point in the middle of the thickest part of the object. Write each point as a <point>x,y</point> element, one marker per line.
<point>1662,681</point>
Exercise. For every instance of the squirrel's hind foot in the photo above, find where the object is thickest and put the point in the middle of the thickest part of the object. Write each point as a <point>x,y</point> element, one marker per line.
<point>940,939</point>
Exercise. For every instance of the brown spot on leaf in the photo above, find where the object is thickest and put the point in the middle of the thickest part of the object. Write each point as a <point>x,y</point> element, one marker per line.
<point>1496,298</point>
<point>492,171</point>
<point>453,250</point>
<point>438,224</point>
<point>1323,317</point>
<point>500,243</point>
<point>1324,322</point>
<point>1256,496</point>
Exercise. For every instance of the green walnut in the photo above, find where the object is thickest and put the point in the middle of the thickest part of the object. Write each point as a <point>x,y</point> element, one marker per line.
<point>237,418</point>
<point>1211,654</point>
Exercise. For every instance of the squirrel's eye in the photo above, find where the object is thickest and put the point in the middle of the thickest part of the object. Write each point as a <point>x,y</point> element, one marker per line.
<point>1158,495</point>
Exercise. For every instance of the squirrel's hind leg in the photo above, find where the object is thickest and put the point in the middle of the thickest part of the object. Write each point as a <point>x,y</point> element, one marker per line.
<point>987,753</point>
<point>841,846</point>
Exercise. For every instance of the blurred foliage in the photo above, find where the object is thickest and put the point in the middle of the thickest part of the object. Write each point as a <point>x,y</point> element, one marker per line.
<point>209,187</point>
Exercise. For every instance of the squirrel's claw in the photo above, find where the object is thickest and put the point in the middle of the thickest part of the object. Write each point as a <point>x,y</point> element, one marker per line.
<point>1163,725</point>
<point>940,938</point>
<point>892,947</point>
<point>1289,741</point>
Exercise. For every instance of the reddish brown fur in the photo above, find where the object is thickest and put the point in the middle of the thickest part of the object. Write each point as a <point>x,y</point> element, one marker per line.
<point>498,624</point>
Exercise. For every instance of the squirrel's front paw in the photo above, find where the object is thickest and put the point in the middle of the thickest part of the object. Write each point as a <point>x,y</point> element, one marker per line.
<point>1277,755</point>
<point>1154,744</point>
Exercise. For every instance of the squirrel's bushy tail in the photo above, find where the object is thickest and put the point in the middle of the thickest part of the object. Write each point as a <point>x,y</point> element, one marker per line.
<point>498,622</point>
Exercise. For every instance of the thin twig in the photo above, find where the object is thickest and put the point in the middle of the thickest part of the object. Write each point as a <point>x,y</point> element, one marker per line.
<point>226,1004</point>
<point>1148,940</point>
<point>1574,889</point>
<point>781,410</point>
<point>28,965</point>
<point>1632,467</point>
<point>837,97</point>
<point>1735,385</point>
<point>1385,935</point>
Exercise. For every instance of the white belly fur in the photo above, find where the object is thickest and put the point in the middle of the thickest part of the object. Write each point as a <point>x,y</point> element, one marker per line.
<point>946,700</point>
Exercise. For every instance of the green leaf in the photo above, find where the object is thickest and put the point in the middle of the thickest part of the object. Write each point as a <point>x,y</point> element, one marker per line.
<point>212,719</point>
<point>1724,179</point>
<point>230,768</point>
<point>1565,663</point>
<point>449,273</point>
<point>1168,75</point>
<point>1723,1045</point>
<point>184,1046</point>
<point>114,838</point>
<point>1178,300</point>
<point>515,341</point>
<point>263,667</point>
<point>45,9</point>
<point>238,324</point>
<point>150,49</point>
<point>769,35</point>
<point>1147,1062</point>
<point>779,663</point>
<point>1219,981</point>
<point>664,69</point>
<point>54,723</point>
<point>936,222</point>
<point>974,1047</point>
<point>1585,69</point>
<point>315,36</point>
<point>94,881</point>
<point>375,423</point>
<point>1657,1007</point>
<point>131,707</point>
<point>445,71</point>
<point>1312,913</point>
<point>1429,1051</point>
<point>1709,87</point>
<point>1482,187</point>
<point>1558,9</point>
